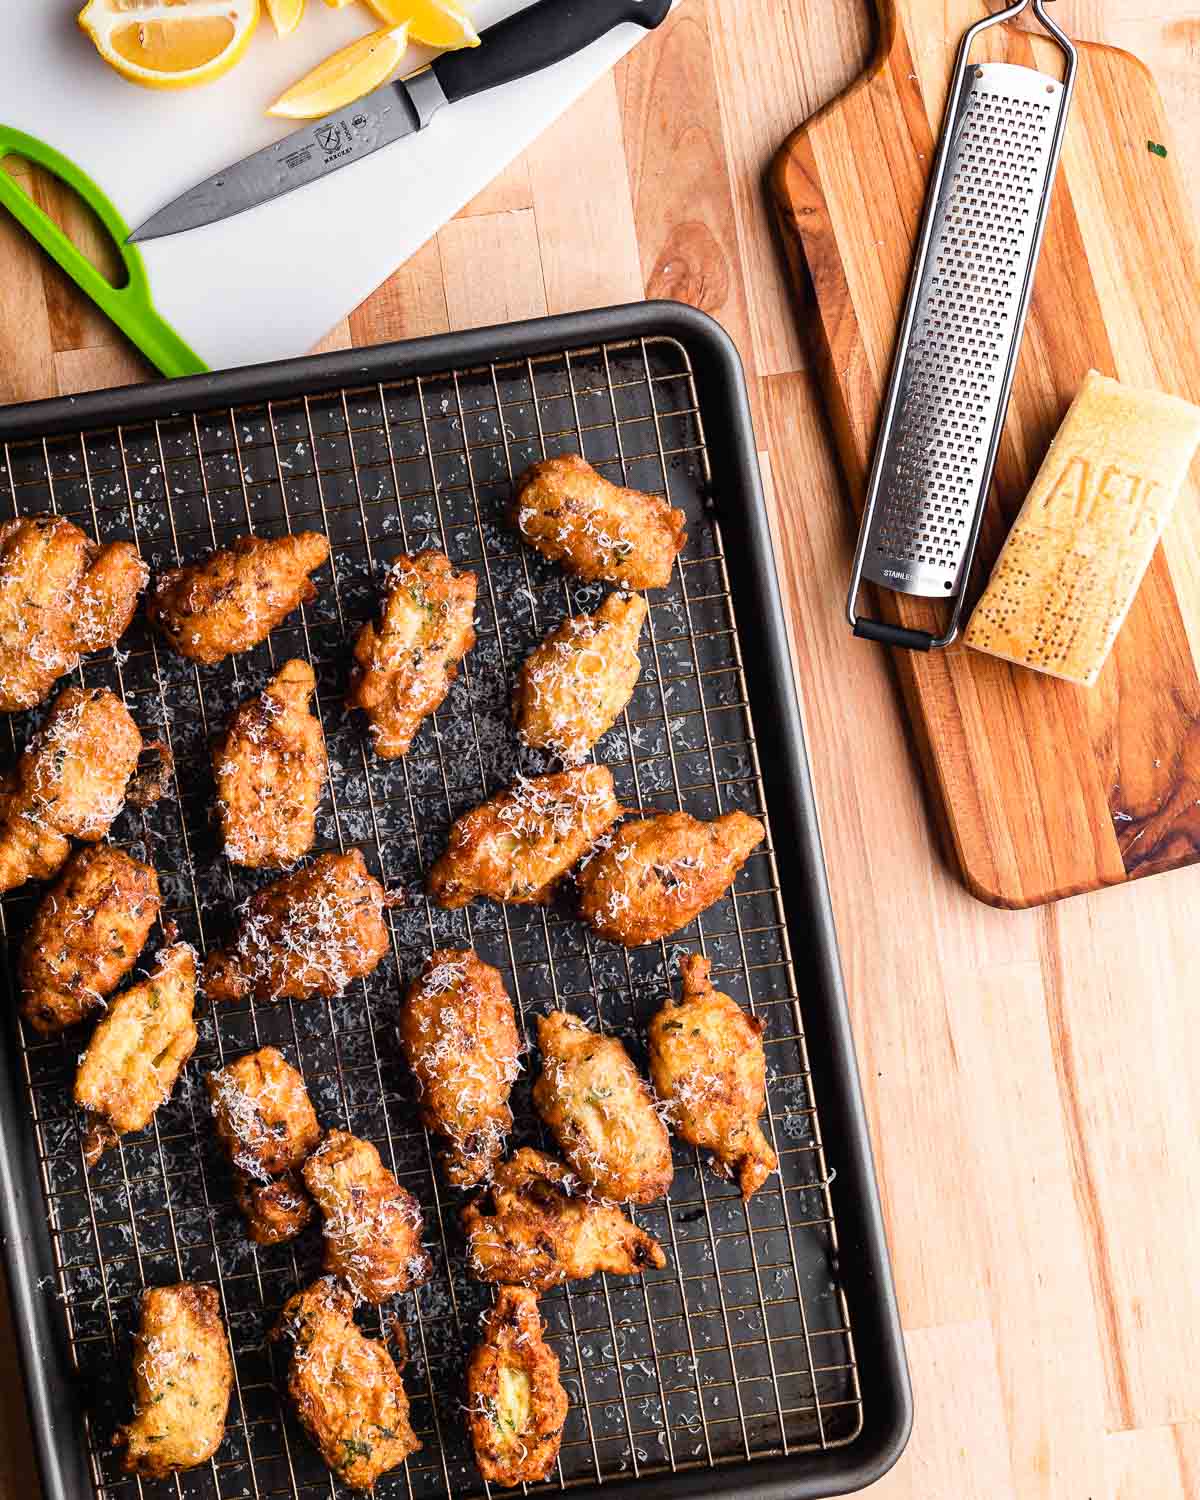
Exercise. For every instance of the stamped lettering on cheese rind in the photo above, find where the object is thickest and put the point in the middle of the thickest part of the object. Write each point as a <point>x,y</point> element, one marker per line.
<point>1073,562</point>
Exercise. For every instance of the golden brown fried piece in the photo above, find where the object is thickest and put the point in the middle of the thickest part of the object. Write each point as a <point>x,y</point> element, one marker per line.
<point>61,596</point>
<point>540,1229</point>
<point>573,687</point>
<point>372,1225</point>
<point>274,1211</point>
<point>138,1051</point>
<point>308,933</point>
<point>70,783</point>
<point>270,767</point>
<point>518,845</point>
<point>406,663</point>
<point>658,874</point>
<point>515,1401</point>
<point>182,1379</point>
<point>347,1389</point>
<point>234,598</point>
<point>85,936</point>
<point>596,529</point>
<point>266,1122</point>
<point>706,1060</point>
<point>601,1112</point>
<point>459,1036</point>
<point>263,1115</point>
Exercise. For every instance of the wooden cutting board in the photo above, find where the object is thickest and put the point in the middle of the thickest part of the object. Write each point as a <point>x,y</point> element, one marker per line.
<point>1047,789</point>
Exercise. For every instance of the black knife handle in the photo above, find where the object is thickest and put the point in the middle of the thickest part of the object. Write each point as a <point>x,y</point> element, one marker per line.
<point>537,38</point>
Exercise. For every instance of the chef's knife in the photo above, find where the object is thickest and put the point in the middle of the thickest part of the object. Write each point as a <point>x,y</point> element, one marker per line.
<point>535,38</point>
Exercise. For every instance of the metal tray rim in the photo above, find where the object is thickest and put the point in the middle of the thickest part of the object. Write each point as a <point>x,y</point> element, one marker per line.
<point>720,376</point>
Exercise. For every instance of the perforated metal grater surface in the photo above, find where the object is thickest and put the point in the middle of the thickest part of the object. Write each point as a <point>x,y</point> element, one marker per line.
<point>740,1348</point>
<point>934,464</point>
<point>961,332</point>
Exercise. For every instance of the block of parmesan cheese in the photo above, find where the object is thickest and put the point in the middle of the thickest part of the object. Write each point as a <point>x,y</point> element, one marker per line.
<point>1074,560</point>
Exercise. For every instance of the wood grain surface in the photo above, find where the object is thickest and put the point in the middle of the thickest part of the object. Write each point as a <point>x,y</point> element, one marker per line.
<point>1033,1078</point>
<point>1048,789</point>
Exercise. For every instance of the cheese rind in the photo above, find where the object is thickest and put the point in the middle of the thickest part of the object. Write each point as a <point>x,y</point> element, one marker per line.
<point>1076,556</point>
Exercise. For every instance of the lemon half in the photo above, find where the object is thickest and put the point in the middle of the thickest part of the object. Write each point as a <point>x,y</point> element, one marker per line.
<point>344,77</point>
<point>436,23</point>
<point>170,44</point>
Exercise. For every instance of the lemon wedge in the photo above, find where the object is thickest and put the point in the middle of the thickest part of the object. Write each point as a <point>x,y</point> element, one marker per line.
<point>344,77</point>
<point>436,23</point>
<point>165,44</point>
<point>285,15</point>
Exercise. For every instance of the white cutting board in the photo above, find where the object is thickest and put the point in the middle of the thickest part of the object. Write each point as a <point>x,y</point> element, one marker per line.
<point>271,282</point>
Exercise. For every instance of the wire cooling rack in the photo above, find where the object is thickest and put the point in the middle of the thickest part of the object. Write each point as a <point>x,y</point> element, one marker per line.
<point>740,1348</point>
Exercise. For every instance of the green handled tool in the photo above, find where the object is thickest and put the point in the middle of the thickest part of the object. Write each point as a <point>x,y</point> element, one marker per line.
<point>130,306</point>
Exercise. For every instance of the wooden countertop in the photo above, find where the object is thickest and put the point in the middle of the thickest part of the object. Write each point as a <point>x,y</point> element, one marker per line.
<point>1033,1079</point>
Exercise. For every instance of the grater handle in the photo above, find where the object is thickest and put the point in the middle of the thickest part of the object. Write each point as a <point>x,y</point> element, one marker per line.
<point>895,635</point>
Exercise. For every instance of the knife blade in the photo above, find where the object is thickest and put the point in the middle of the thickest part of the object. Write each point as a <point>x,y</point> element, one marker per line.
<point>534,38</point>
<point>321,148</point>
